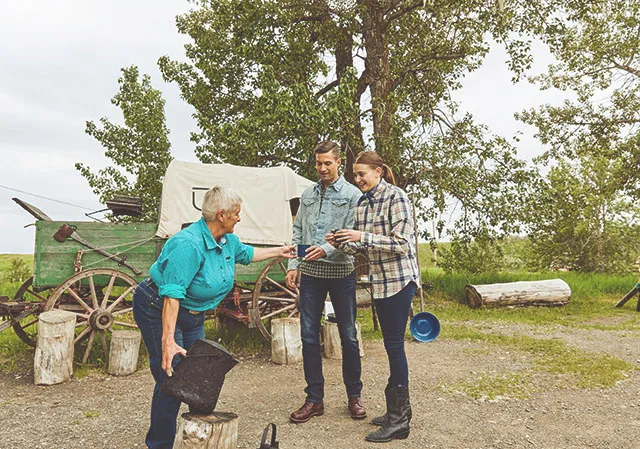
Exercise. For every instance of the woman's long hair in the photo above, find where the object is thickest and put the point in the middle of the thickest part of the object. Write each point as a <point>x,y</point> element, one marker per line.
<point>373,159</point>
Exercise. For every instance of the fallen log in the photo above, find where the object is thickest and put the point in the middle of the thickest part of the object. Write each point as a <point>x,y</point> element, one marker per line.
<point>551,292</point>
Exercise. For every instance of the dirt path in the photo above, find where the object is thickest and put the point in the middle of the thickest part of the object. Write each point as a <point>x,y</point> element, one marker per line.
<point>105,412</point>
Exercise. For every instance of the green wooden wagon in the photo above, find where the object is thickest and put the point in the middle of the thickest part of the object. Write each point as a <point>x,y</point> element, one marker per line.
<point>91,268</point>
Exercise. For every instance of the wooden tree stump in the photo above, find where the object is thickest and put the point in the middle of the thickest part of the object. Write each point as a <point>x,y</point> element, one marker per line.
<point>286,345</point>
<point>53,360</point>
<point>218,430</point>
<point>551,292</point>
<point>332,344</point>
<point>123,353</point>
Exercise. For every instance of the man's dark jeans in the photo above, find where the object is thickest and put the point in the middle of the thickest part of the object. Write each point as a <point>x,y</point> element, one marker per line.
<point>393,313</point>
<point>147,311</point>
<point>313,292</point>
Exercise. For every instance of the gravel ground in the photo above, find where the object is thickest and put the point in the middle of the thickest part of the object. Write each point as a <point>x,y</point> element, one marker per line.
<point>107,412</point>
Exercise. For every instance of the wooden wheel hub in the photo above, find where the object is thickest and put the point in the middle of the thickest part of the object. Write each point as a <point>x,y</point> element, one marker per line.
<point>101,319</point>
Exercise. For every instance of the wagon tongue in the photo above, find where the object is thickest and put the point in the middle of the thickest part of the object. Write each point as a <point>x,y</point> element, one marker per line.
<point>198,379</point>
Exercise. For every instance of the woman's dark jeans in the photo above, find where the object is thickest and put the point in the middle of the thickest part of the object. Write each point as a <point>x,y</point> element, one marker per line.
<point>393,313</point>
<point>313,292</point>
<point>147,311</point>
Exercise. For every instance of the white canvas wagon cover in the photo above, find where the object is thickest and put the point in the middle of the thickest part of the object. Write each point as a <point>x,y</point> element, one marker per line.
<point>265,192</point>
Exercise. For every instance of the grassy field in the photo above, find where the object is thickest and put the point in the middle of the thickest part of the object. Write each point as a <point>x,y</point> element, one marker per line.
<point>5,260</point>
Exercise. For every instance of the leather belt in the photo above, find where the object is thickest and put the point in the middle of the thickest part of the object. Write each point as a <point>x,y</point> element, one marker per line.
<point>152,285</point>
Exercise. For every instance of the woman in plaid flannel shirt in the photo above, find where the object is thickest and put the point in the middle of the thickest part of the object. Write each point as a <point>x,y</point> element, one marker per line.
<point>383,228</point>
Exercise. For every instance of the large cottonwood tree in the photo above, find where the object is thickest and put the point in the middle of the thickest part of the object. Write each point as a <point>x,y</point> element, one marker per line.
<point>269,78</point>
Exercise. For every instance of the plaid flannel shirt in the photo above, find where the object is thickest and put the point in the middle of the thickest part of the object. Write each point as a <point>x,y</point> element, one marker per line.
<point>386,222</point>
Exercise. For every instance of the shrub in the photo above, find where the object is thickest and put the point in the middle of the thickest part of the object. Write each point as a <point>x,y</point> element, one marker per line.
<point>19,271</point>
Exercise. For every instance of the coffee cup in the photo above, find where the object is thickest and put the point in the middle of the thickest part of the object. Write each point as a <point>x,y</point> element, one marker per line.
<point>301,250</point>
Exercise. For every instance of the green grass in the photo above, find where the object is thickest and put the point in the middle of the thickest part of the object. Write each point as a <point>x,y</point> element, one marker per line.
<point>9,288</point>
<point>5,260</point>
<point>577,367</point>
<point>490,386</point>
<point>236,338</point>
<point>15,356</point>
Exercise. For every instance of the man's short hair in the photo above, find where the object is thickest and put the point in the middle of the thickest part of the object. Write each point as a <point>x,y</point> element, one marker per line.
<point>328,146</point>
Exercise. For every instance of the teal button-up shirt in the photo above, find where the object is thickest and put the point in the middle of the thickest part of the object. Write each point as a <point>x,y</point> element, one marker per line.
<point>196,269</point>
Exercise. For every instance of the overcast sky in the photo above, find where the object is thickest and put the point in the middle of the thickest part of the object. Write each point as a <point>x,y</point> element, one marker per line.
<point>60,65</point>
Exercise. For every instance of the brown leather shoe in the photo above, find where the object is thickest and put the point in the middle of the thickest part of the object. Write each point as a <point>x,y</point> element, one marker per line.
<point>356,409</point>
<point>306,412</point>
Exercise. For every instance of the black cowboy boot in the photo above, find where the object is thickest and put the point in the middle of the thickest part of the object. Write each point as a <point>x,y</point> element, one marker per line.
<point>381,420</point>
<point>396,425</point>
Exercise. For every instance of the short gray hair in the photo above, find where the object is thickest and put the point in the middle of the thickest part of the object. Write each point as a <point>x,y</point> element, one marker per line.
<point>217,198</point>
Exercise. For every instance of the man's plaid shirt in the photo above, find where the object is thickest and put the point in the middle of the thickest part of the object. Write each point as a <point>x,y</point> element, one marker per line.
<point>386,222</point>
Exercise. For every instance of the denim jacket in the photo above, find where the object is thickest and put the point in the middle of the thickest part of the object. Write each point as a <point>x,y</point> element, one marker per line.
<point>316,217</point>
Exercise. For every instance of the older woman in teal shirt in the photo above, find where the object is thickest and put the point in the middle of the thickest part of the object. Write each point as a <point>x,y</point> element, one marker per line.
<point>193,274</point>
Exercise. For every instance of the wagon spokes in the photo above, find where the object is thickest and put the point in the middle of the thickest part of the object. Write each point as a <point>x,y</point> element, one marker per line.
<point>82,334</point>
<point>278,312</point>
<point>123,311</point>
<point>120,298</point>
<point>32,302</point>
<point>87,351</point>
<point>79,300</point>
<point>105,348</point>
<point>268,299</point>
<point>271,297</point>
<point>280,286</point>
<point>96,297</point>
<point>108,291</point>
<point>122,323</point>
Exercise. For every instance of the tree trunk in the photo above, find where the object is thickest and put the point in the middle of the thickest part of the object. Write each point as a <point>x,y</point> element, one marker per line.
<point>53,360</point>
<point>219,430</point>
<point>286,346</point>
<point>332,343</point>
<point>123,354</point>
<point>351,140</point>
<point>380,80</point>
<point>552,292</point>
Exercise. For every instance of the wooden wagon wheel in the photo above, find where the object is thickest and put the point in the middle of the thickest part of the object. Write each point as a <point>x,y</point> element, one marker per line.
<point>96,309</point>
<point>25,322</point>
<point>271,298</point>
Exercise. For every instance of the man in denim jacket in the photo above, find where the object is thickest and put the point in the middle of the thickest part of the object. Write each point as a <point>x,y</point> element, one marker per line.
<point>327,205</point>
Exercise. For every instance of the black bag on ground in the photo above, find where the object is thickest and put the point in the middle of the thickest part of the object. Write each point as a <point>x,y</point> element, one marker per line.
<point>198,379</point>
<point>274,443</point>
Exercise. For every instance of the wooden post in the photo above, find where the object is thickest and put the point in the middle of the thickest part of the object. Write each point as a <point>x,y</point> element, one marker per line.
<point>286,345</point>
<point>332,344</point>
<point>219,430</point>
<point>53,360</point>
<point>551,292</point>
<point>123,353</point>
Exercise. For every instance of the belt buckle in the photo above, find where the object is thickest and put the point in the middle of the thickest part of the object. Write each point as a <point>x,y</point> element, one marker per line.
<point>194,312</point>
